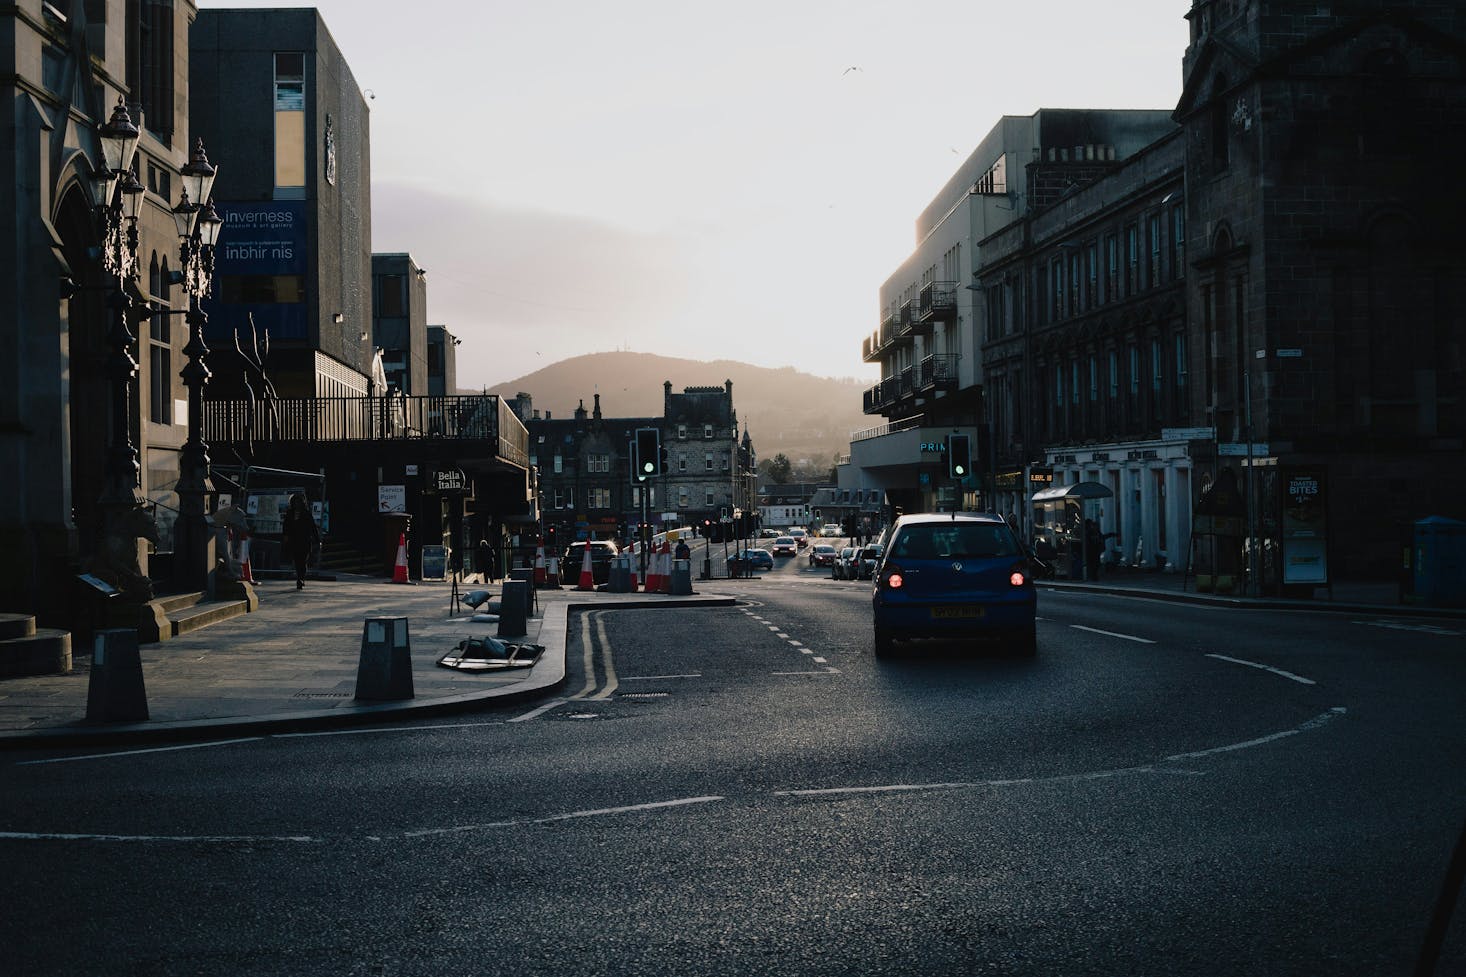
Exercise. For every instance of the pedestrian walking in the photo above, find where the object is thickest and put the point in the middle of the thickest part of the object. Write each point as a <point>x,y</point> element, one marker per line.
<point>300,534</point>
<point>683,552</point>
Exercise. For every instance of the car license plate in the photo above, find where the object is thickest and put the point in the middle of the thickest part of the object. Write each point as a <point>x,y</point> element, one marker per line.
<point>947,613</point>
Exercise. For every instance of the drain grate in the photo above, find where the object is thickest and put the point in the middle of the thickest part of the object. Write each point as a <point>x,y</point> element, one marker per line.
<point>643,695</point>
<point>307,694</point>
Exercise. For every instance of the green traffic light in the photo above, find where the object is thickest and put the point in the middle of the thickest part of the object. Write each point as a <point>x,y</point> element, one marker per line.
<point>648,467</point>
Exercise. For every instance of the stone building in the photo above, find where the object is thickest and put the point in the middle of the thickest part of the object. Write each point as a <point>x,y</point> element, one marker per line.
<point>61,339</point>
<point>1323,302</point>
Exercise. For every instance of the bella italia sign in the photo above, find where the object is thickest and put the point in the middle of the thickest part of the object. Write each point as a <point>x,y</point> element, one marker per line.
<point>452,480</point>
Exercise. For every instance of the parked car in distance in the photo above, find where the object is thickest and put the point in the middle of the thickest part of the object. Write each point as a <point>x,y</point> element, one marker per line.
<point>865,562</point>
<point>845,567</point>
<point>769,534</point>
<point>801,536</point>
<point>958,576</point>
<point>785,546</point>
<point>823,555</point>
<point>756,559</point>
<point>602,552</point>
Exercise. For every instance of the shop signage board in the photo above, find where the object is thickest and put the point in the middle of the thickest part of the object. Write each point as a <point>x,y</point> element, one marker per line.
<point>391,498</point>
<point>1188,433</point>
<point>452,480</point>
<point>435,562</point>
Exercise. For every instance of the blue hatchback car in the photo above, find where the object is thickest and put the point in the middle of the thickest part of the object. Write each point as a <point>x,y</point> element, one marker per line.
<point>954,575</point>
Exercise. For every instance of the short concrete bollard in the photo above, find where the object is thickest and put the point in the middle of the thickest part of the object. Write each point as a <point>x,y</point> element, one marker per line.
<point>514,609</point>
<point>681,578</point>
<point>384,671</point>
<point>115,691</point>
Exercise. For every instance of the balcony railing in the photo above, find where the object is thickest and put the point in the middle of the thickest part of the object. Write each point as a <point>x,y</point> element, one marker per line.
<point>355,419</point>
<point>937,302</point>
<point>937,372</point>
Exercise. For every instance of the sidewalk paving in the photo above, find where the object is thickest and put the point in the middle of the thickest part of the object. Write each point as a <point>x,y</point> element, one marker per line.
<point>292,665</point>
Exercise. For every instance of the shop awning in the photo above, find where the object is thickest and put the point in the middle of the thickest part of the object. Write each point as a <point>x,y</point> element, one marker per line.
<point>1079,491</point>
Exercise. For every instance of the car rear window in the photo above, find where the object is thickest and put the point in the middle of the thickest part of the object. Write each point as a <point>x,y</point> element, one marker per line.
<point>941,542</point>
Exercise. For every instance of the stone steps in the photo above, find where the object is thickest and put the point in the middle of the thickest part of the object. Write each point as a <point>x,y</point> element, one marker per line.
<point>28,650</point>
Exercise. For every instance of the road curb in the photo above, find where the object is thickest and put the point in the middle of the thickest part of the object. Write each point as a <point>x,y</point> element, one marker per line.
<point>1256,603</point>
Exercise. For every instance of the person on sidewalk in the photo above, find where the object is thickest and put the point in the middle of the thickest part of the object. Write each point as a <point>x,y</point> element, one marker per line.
<point>684,552</point>
<point>301,537</point>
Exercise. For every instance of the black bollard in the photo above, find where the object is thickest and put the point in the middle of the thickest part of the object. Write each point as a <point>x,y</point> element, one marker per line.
<point>384,671</point>
<point>115,691</point>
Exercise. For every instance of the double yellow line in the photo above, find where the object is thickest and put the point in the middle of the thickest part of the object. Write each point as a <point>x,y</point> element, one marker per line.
<point>589,650</point>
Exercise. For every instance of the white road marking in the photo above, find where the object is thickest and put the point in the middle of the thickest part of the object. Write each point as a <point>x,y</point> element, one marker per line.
<point>1403,626</point>
<point>383,729</point>
<point>1313,723</point>
<point>1114,634</point>
<point>796,644</point>
<point>654,678</point>
<point>206,839</point>
<point>533,713</point>
<point>806,651</point>
<point>819,659</point>
<point>156,749</point>
<point>630,809</point>
<point>781,634</point>
<point>1265,668</point>
<point>823,671</point>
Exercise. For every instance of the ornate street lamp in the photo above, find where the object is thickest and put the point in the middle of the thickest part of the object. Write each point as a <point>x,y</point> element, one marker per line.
<point>198,231</point>
<point>118,196</point>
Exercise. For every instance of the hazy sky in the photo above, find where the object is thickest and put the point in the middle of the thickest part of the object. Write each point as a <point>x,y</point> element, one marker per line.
<point>700,180</point>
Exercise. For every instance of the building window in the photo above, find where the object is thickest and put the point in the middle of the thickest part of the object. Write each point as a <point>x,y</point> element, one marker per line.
<point>1181,362</point>
<point>150,68</point>
<point>1132,259</point>
<point>598,498</point>
<point>681,462</point>
<point>707,497</point>
<point>1134,370</point>
<point>1114,375</point>
<point>1178,242</point>
<point>1073,381</point>
<point>1074,282</point>
<point>160,348</point>
<point>1153,268</point>
<point>707,432</point>
<point>290,122</point>
<point>1059,384</point>
<point>1093,378</point>
<point>559,464</point>
<point>391,296</point>
<point>1112,268</point>
<point>681,432</point>
<point>599,463</point>
<point>1091,296</point>
<point>682,498</point>
<point>1056,274</point>
<point>708,462</point>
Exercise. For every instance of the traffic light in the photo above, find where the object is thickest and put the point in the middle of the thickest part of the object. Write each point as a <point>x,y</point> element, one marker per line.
<point>959,456</point>
<point>646,455</point>
<point>664,466</point>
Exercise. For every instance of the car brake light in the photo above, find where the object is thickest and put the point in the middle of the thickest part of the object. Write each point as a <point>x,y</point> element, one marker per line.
<point>1017,578</point>
<point>894,580</point>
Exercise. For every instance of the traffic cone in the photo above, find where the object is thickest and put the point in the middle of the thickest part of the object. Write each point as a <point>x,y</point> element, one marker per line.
<point>587,579</point>
<point>244,571</point>
<point>666,580</point>
<point>539,566</point>
<point>399,571</point>
<point>552,573</point>
<point>653,569</point>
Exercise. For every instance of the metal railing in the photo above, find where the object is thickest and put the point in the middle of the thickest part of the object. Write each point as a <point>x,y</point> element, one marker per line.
<point>938,300</point>
<point>895,427</point>
<point>337,419</point>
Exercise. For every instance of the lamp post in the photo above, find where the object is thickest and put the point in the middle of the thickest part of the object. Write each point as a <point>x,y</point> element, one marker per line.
<point>198,230</point>
<point>118,196</point>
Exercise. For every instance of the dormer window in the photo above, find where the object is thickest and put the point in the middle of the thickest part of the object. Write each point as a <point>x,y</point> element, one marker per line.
<point>707,432</point>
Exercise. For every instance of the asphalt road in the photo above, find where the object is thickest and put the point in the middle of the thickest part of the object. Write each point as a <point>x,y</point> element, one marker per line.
<point>1166,789</point>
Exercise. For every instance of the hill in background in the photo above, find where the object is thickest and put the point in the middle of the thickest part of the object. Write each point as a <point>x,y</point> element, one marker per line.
<point>802,416</point>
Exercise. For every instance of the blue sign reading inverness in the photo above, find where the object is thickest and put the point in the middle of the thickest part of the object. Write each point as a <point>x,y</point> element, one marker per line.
<point>259,267</point>
<point>262,238</point>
